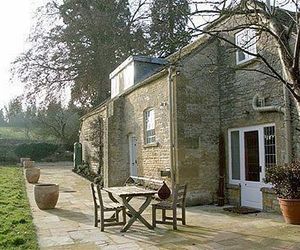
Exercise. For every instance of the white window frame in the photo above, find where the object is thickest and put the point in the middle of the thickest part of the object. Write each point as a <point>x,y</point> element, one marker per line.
<point>249,44</point>
<point>149,125</point>
<point>241,138</point>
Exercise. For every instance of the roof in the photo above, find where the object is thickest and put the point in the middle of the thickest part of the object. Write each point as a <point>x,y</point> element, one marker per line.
<point>146,59</point>
<point>188,49</point>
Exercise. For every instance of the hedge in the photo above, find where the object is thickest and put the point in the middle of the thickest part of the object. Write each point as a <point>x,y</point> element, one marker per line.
<point>35,151</point>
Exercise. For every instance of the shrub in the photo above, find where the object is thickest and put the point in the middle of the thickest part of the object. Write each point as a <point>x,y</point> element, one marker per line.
<point>35,151</point>
<point>285,180</point>
<point>85,171</point>
<point>59,156</point>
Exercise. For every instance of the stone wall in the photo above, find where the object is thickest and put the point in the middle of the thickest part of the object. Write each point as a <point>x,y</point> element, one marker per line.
<point>233,194</point>
<point>197,110</point>
<point>151,159</point>
<point>270,202</point>
<point>237,89</point>
<point>89,151</point>
<point>124,116</point>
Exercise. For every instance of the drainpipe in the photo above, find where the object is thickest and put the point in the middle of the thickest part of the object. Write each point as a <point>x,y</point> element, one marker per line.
<point>274,108</point>
<point>171,125</point>
<point>287,125</point>
<point>286,120</point>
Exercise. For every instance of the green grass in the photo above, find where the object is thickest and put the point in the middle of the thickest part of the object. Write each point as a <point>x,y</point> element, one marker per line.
<point>12,133</point>
<point>16,227</point>
<point>20,134</point>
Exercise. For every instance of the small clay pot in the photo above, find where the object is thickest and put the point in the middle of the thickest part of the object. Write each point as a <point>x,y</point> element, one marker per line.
<point>164,192</point>
<point>28,164</point>
<point>290,209</point>
<point>32,174</point>
<point>46,195</point>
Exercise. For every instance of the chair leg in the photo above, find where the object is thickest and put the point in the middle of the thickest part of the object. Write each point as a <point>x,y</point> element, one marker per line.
<point>175,219</point>
<point>117,215</point>
<point>124,215</point>
<point>153,216</point>
<point>102,221</point>
<point>96,216</point>
<point>183,216</point>
<point>163,215</point>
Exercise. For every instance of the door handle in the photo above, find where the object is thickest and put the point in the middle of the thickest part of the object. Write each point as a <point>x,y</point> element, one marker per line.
<point>260,169</point>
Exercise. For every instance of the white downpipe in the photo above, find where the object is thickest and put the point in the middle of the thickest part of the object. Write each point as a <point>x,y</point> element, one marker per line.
<point>273,108</point>
<point>171,125</point>
<point>287,125</point>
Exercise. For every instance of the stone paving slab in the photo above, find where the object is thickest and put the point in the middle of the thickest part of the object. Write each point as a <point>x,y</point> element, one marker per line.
<point>70,224</point>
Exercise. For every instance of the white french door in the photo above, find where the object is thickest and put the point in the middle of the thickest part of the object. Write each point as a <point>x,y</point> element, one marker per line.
<point>250,150</point>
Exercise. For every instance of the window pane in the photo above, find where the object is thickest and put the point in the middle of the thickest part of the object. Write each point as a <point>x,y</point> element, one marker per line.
<point>270,146</point>
<point>235,155</point>
<point>252,168</point>
<point>246,39</point>
<point>241,55</point>
<point>150,126</point>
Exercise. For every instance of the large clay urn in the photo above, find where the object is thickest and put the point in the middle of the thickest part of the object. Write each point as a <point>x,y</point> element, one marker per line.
<point>24,159</point>
<point>28,164</point>
<point>32,174</point>
<point>46,195</point>
<point>290,209</point>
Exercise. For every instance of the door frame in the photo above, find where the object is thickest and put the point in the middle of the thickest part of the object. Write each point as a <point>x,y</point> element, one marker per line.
<point>132,161</point>
<point>242,180</point>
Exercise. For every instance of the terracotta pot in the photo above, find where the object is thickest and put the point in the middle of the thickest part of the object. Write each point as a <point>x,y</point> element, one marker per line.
<point>28,164</point>
<point>46,195</point>
<point>24,159</point>
<point>290,209</point>
<point>32,174</point>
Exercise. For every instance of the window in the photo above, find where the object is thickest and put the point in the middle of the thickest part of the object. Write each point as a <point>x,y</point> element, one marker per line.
<point>149,126</point>
<point>235,155</point>
<point>245,39</point>
<point>270,149</point>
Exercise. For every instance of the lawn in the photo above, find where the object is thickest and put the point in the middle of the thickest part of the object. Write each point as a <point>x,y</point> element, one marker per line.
<point>16,227</point>
<point>20,134</point>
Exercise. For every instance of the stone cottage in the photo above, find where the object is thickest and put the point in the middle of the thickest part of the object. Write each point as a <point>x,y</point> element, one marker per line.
<point>165,119</point>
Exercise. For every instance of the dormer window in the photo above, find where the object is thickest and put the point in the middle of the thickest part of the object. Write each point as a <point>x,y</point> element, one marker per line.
<point>133,70</point>
<point>245,39</point>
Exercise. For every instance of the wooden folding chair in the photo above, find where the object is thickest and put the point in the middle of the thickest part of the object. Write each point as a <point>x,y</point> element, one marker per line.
<point>103,207</point>
<point>178,200</point>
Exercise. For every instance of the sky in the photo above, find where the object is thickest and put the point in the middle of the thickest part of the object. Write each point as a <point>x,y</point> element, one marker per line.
<point>15,22</point>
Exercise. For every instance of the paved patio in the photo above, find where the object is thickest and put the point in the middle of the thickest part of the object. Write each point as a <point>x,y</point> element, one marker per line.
<point>70,225</point>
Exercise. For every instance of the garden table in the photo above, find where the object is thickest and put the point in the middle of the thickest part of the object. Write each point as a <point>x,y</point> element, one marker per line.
<point>126,193</point>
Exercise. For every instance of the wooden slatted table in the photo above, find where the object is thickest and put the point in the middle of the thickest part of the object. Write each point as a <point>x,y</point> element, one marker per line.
<point>126,193</point>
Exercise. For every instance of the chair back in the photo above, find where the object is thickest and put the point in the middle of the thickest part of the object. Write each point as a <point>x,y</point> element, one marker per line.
<point>179,195</point>
<point>97,197</point>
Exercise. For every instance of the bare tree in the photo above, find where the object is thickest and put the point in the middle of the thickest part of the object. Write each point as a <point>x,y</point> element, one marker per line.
<point>76,44</point>
<point>275,23</point>
<point>59,122</point>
